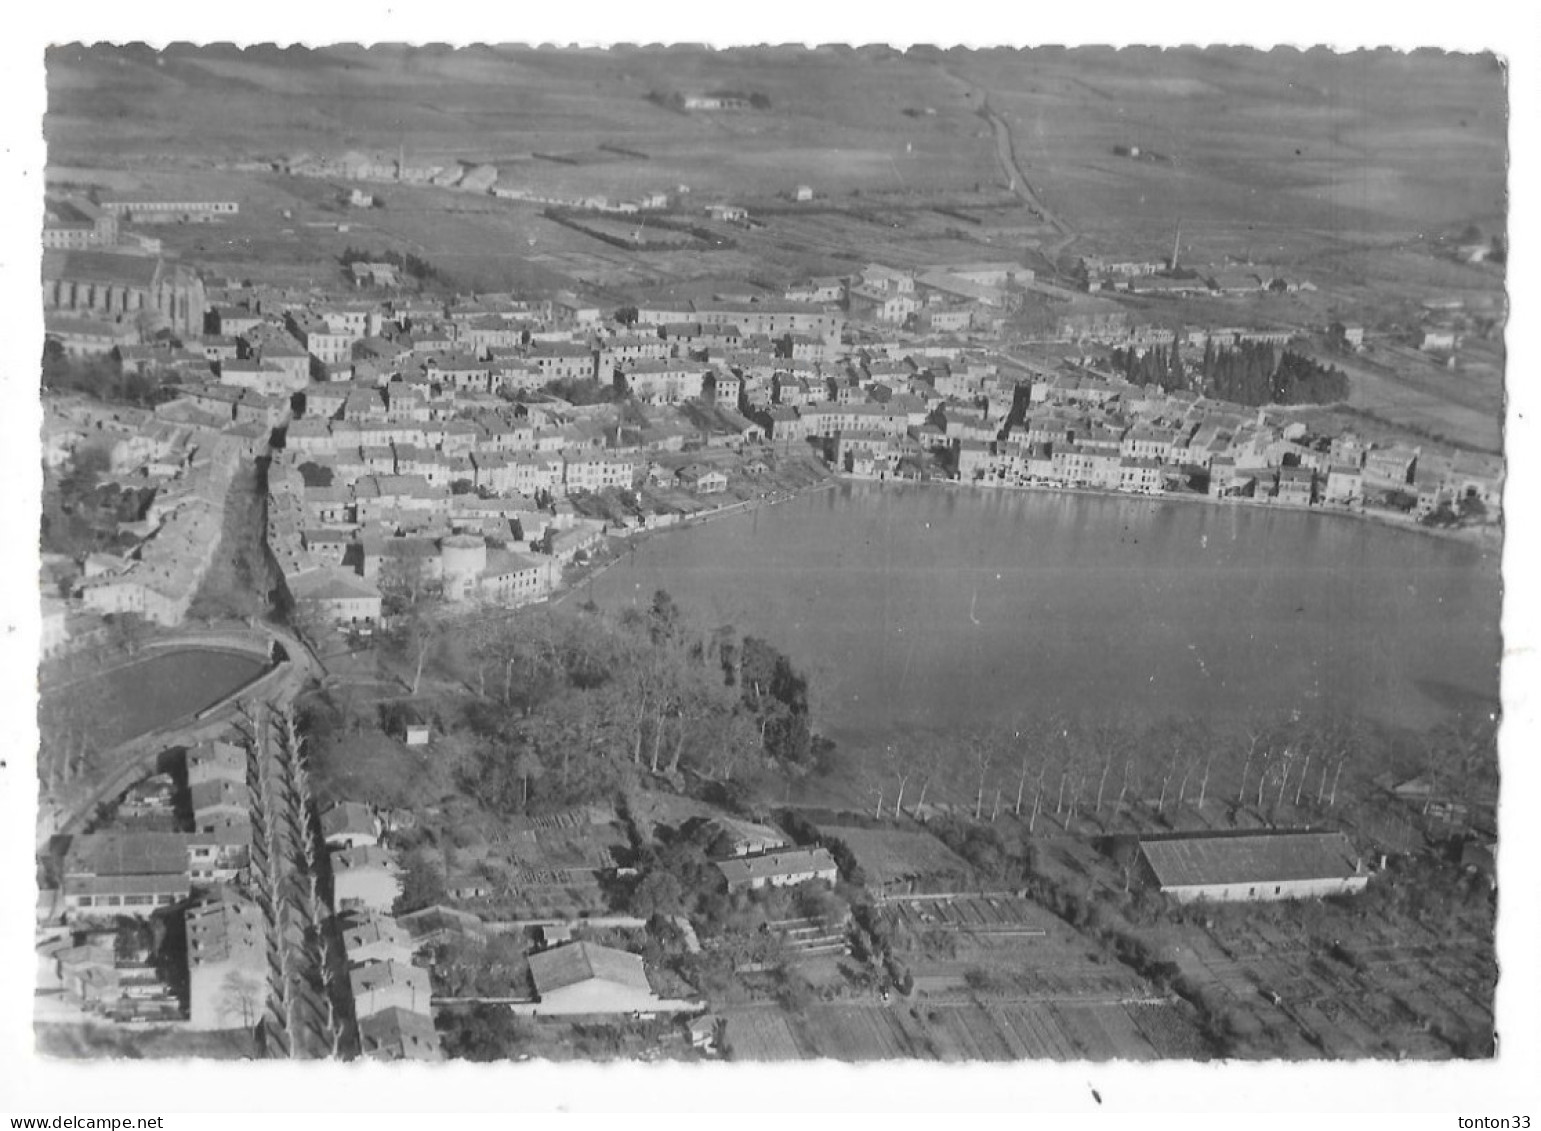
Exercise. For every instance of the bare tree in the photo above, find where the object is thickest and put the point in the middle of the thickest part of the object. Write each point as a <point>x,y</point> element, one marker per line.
<point>1285,759</point>
<point>1262,776</point>
<point>1077,782</point>
<point>904,767</point>
<point>1305,769</point>
<point>1209,759</point>
<point>240,996</point>
<point>875,787</point>
<point>927,755</point>
<point>982,751</point>
<point>1025,751</point>
<point>1166,778</point>
<point>1102,779</point>
<point>1254,736</point>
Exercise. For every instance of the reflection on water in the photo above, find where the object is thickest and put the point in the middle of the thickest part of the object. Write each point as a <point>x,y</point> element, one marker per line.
<point>925,606</point>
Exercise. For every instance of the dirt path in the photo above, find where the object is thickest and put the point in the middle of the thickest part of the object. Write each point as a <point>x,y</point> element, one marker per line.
<point>1016,179</point>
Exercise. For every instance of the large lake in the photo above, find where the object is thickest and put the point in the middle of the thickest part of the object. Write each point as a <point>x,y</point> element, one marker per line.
<point>932,606</point>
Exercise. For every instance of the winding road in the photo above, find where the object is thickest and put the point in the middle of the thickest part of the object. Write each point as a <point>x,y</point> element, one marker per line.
<point>1016,179</point>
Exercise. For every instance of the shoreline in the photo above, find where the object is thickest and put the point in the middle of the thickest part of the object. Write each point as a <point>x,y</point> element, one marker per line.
<point>631,538</point>
<point>1483,536</point>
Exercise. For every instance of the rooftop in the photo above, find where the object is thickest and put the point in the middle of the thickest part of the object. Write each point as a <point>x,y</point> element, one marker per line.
<point>775,864</point>
<point>578,962</point>
<point>1263,858</point>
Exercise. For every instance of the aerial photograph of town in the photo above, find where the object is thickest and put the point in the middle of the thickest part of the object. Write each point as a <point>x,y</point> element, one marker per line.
<point>769,554</point>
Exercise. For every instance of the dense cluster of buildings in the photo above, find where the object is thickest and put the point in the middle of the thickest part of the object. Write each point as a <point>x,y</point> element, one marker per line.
<point>161,555</point>
<point>176,847</point>
<point>180,854</point>
<point>415,439</point>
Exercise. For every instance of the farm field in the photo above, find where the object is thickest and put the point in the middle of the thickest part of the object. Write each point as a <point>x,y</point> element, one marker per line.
<point>504,103</point>
<point>1278,139</point>
<point>1007,948</point>
<point>1389,990</point>
<point>962,1032</point>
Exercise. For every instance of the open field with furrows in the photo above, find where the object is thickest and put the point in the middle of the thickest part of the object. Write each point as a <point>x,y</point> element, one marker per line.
<point>829,122</point>
<point>968,1031</point>
<point>761,1035</point>
<point>1256,142</point>
<point>909,236</point>
<point>1404,969</point>
<point>1430,400</point>
<point>1011,949</point>
<point>1308,140</point>
<point>1391,991</point>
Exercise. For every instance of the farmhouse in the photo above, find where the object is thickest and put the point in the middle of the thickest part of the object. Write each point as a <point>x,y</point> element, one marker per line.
<point>1269,866</point>
<point>584,977</point>
<point>779,869</point>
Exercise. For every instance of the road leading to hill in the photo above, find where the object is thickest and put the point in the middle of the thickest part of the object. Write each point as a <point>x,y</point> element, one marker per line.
<point>1006,154</point>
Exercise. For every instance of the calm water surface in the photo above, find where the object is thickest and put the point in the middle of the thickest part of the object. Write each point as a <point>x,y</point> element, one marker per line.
<point>931,606</point>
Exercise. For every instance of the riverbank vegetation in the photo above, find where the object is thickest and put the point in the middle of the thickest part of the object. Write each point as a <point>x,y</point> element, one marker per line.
<point>571,705</point>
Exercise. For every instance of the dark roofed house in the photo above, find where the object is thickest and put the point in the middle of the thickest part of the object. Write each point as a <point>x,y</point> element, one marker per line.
<point>433,925</point>
<point>381,986</point>
<point>216,761</point>
<point>584,977</point>
<point>127,854</point>
<point>1265,866</point>
<point>214,803</point>
<point>399,1034</point>
<point>348,824</point>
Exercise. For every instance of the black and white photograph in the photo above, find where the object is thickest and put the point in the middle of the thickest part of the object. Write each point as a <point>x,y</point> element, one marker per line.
<point>767,552</point>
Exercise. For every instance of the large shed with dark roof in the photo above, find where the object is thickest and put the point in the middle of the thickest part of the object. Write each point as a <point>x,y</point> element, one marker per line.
<point>584,977</point>
<point>1265,866</point>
